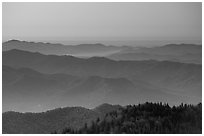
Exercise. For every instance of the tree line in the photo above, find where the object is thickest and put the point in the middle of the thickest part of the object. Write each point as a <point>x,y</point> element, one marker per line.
<point>147,118</point>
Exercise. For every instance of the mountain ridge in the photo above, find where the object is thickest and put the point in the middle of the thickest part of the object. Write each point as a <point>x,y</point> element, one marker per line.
<point>60,49</point>
<point>185,53</point>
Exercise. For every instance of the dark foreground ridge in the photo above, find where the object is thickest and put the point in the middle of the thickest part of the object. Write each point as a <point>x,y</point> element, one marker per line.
<point>144,118</point>
<point>148,118</point>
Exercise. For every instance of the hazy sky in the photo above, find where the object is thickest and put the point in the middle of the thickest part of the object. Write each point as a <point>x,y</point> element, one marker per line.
<point>106,21</point>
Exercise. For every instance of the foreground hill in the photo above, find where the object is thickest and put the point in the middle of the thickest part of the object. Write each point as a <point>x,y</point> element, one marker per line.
<point>25,89</point>
<point>142,118</point>
<point>172,77</point>
<point>186,53</point>
<point>46,122</point>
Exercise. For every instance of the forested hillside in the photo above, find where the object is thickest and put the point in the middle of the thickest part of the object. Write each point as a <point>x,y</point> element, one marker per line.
<point>145,119</point>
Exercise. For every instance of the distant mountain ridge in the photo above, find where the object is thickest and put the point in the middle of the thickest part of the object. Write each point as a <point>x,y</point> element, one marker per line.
<point>95,66</point>
<point>185,53</point>
<point>60,49</point>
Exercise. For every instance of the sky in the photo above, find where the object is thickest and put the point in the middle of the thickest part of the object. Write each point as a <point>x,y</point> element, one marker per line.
<point>103,22</point>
